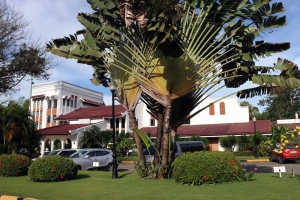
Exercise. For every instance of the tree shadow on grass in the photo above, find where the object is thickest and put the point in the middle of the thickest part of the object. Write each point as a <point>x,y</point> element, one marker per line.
<point>82,176</point>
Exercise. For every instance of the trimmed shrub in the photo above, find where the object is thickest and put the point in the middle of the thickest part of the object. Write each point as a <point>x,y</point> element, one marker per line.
<point>14,165</point>
<point>208,168</point>
<point>52,168</point>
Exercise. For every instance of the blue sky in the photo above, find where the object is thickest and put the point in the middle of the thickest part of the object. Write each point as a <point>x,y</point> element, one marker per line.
<point>57,18</point>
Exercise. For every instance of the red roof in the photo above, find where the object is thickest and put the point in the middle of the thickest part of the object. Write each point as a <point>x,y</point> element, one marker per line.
<point>263,126</point>
<point>61,129</point>
<point>91,101</point>
<point>93,113</point>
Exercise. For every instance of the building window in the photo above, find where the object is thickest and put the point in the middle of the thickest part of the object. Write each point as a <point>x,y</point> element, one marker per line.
<point>188,121</point>
<point>48,118</point>
<point>49,103</point>
<point>64,102</point>
<point>41,113</point>
<point>152,122</point>
<point>53,118</point>
<point>72,103</point>
<point>222,108</point>
<point>75,103</point>
<point>34,103</point>
<point>55,103</point>
<point>123,122</point>
<point>68,102</point>
<point>211,109</point>
<point>117,122</point>
<point>42,102</point>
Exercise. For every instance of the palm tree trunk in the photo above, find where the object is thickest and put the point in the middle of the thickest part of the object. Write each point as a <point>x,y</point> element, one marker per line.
<point>172,147</point>
<point>165,152</point>
<point>160,120</point>
<point>138,141</point>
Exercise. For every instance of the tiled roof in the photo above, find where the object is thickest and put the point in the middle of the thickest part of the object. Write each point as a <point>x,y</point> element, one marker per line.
<point>93,113</point>
<point>91,101</point>
<point>61,129</point>
<point>289,126</point>
<point>210,130</point>
<point>38,96</point>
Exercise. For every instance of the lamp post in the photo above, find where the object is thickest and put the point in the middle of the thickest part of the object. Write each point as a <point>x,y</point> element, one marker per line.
<point>255,142</point>
<point>113,88</point>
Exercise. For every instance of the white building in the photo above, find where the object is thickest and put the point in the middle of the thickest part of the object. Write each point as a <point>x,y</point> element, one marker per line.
<point>49,100</point>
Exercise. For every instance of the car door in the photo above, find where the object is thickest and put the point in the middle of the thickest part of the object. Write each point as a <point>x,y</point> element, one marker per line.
<point>102,158</point>
<point>87,161</point>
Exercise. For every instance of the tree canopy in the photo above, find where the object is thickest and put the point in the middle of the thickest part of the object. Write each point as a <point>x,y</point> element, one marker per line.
<point>281,106</point>
<point>20,56</point>
<point>171,53</point>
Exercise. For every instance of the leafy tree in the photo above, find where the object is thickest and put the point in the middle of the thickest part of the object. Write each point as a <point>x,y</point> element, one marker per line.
<point>253,111</point>
<point>19,130</point>
<point>19,55</point>
<point>95,138</point>
<point>171,53</point>
<point>281,106</point>
<point>244,143</point>
<point>229,142</point>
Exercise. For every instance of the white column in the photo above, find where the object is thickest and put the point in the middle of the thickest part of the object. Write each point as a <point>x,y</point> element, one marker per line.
<point>62,144</point>
<point>42,147</point>
<point>120,124</point>
<point>52,145</point>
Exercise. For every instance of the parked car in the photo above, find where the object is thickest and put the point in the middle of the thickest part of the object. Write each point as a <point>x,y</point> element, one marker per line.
<point>62,152</point>
<point>290,152</point>
<point>180,147</point>
<point>87,159</point>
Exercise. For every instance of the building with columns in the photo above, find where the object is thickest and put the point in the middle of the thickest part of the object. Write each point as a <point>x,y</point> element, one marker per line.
<point>52,99</point>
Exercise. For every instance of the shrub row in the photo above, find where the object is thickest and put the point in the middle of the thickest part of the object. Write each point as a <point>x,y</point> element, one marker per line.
<point>14,165</point>
<point>52,168</point>
<point>243,153</point>
<point>208,168</point>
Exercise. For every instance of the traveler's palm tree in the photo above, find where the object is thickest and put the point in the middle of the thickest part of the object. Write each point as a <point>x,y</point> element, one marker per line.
<point>181,48</point>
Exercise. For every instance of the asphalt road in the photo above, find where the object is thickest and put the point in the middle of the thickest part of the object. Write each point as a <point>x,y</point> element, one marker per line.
<point>262,167</point>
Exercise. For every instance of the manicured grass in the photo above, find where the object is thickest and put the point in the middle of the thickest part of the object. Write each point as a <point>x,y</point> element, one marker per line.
<point>250,158</point>
<point>99,185</point>
<point>128,158</point>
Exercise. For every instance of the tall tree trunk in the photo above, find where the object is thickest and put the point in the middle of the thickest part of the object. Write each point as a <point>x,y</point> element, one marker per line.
<point>167,114</point>
<point>159,134</point>
<point>138,141</point>
<point>172,147</point>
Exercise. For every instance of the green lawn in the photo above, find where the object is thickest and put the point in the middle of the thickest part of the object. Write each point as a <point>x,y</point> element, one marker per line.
<point>99,185</point>
<point>133,158</point>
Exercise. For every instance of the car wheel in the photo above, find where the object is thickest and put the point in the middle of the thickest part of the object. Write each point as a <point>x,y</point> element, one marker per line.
<point>79,167</point>
<point>280,160</point>
<point>109,167</point>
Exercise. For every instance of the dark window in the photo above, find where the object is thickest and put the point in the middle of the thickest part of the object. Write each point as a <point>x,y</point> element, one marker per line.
<point>55,103</point>
<point>117,122</point>
<point>101,153</point>
<point>72,103</point>
<point>75,103</point>
<point>48,118</point>
<point>67,153</point>
<point>123,122</point>
<point>49,103</point>
<point>64,102</point>
<point>92,154</point>
<point>68,102</point>
<point>152,122</point>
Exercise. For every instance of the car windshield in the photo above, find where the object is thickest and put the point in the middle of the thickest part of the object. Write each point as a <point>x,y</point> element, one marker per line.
<point>52,153</point>
<point>78,154</point>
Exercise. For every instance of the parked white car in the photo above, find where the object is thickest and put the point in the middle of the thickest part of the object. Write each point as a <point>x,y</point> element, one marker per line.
<point>87,159</point>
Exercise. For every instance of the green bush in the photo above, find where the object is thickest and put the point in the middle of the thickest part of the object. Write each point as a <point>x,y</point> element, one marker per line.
<point>208,168</point>
<point>229,142</point>
<point>14,165</point>
<point>52,168</point>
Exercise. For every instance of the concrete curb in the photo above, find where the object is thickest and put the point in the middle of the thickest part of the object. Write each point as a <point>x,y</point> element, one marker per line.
<point>258,160</point>
<point>6,197</point>
<point>127,162</point>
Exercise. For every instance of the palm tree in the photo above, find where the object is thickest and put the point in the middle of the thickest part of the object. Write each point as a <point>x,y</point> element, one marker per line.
<point>183,49</point>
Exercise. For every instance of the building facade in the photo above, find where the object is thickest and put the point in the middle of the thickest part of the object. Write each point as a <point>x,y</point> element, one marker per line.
<point>49,100</point>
